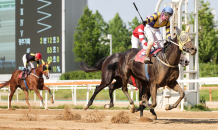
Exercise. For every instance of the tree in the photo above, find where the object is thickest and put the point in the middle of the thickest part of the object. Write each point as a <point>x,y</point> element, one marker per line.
<point>86,39</point>
<point>135,23</point>
<point>104,48</point>
<point>120,35</point>
<point>207,34</point>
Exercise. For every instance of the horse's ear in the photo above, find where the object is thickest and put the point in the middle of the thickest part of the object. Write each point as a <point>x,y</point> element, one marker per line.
<point>178,30</point>
<point>187,29</point>
<point>49,62</point>
<point>43,62</point>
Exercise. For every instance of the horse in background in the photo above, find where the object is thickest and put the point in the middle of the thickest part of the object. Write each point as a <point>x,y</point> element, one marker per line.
<point>34,81</point>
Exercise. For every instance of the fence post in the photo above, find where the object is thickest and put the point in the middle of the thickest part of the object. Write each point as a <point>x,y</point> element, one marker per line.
<point>9,91</point>
<point>136,96</point>
<point>46,98</point>
<point>72,92</point>
<point>210,96</point>
<point>87,94</point>
<point>131,92</point>
<point>75,95</point>
<point>53,93</point>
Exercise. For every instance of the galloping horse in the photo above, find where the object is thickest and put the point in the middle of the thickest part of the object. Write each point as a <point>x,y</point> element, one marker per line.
<point>163,70</point>
<point>111,73</point>
<point>34,81</point>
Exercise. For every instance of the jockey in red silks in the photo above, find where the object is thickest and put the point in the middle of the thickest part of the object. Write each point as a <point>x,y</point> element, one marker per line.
<point>29,58</point>
<point>152,31</point>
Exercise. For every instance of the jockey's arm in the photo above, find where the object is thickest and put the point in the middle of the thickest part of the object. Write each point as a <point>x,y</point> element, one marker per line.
<point>151,18</point>
<point>26,64</point>
<point>142,35</point>
<point>168,35</point>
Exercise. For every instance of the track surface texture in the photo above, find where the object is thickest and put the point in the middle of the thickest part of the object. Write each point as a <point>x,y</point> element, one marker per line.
<point>69,119</point>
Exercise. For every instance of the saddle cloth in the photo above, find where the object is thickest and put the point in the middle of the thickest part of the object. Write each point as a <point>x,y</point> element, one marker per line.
<point>141,55</point>
<point>20,75</point>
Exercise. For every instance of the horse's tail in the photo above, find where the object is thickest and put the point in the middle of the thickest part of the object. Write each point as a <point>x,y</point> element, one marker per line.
<point>113,66</point>
<point>4,84</point>
<point>96,67</point>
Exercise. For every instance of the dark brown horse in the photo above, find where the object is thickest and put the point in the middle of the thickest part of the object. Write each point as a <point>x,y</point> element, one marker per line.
<point>163,70</point>
<point>34,81</point>
<point>109,68</point>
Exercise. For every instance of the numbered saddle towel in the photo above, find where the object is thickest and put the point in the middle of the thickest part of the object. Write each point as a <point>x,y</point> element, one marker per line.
<point>141,55</point>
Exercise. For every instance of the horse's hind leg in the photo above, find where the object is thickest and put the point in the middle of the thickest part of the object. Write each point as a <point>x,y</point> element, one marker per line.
<point>112,87</point>
<point>27,98</point>
<point>46,88</point>
<point>175,86</point>
<point>12,89</point>
<point>97,90</point>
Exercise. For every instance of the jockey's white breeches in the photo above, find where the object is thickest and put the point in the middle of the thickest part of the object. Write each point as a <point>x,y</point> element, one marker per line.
<point>153,36</point>
<point>136,42</point>
<point>24,62</point>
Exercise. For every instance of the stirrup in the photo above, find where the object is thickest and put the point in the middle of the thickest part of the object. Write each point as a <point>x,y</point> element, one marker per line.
<point>147,60</point>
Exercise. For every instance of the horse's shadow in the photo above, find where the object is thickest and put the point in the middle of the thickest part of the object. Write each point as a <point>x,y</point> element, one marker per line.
<point>186,121</point>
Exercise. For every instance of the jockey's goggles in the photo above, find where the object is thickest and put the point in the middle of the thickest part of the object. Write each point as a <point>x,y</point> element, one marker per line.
<point>167,14</point>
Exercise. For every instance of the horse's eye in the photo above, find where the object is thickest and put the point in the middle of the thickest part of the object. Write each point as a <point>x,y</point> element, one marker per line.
<point>49,68</point>
<point>44,67</point>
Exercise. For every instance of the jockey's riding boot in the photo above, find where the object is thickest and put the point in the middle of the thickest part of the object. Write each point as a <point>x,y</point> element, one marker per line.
<point>147,58</point>
<point>23,77</point>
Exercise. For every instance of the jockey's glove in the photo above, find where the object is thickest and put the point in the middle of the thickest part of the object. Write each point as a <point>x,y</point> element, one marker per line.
<point>144,23</point>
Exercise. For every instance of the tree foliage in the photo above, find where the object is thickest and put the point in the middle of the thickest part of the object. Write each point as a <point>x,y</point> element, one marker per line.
<point>86,38</point>
<point>121,39</point>
<point>207,34</point>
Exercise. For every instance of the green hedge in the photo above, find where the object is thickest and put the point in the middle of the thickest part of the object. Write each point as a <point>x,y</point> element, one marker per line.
<point>76,75</point>
<point>208,70</point>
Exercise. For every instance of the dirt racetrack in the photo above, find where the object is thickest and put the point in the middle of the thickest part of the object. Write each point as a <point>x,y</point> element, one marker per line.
<point>53,120</point>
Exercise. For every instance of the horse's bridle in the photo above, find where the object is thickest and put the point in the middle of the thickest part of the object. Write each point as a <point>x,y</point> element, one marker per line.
<point>183,38</point>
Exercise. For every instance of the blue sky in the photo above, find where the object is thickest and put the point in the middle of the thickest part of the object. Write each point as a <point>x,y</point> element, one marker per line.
<point>126,10</point>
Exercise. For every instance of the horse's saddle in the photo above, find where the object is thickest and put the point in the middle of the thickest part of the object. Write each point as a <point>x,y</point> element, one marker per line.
<point>141,54</point>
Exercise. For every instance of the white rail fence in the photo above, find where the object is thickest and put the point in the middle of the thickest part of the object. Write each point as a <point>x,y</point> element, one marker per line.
<point>89,87</point>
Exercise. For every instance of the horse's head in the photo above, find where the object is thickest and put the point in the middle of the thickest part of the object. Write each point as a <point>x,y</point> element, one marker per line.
<point>183,60</point>
<point>185,41</point>
<point>45,68</point>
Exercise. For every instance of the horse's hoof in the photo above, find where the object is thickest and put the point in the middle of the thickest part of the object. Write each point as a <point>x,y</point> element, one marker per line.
<point>132,108</point>
<point>46,108</point>
<point>108,106</point>
<point>167,107</point>
<point>52,102</point>
<point>153,117</point>
<point>85,107</point>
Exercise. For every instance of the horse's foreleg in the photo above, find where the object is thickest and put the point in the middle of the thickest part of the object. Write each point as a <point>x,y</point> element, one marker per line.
<point>40,97</point>
<point>46,88</point>
<point>112,87</point>
<point>125,90</point>
<point>27,98</point>
<point>175,86</point>
<point>12,89</point>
